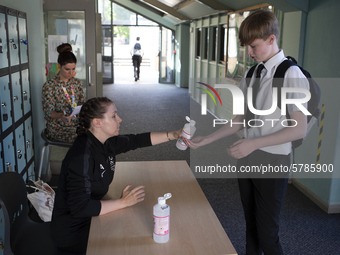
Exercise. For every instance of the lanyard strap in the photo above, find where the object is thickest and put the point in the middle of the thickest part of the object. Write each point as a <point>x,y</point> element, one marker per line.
<point>73,101</point>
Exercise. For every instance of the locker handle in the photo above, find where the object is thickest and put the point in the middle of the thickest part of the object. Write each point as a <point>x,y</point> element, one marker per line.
<point>15,98</point>
<point>28,144</point>
<point>4,114</point>
<point>9,166</point>
<point>1,46</point>
<point>89,66</point>
<point>24,41</point>
<point>19,154</point>
<point>13,44</point>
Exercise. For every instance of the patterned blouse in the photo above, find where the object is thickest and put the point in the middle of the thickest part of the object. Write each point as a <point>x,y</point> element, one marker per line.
<point>55,100</point>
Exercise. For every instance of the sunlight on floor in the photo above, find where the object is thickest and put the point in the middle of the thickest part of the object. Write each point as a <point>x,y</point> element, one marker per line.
<point>124,75</point>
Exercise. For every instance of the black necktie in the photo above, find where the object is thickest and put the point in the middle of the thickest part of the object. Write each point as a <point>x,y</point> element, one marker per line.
<point>256,86</point>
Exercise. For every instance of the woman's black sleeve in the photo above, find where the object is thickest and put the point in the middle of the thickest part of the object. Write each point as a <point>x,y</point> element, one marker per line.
<point>125,143</point>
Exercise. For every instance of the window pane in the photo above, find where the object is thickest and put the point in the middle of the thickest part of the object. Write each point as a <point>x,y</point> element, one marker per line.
<point>104,8</point>
<point>121,35</point>
<point>223,43</point>
<point>213,46</point>
<point>122,16</point>
<point>205,42</point>
<point>145,22</point>
<point>198,43</point>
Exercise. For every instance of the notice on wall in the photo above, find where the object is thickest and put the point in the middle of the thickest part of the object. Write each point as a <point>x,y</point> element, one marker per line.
<point>53,42</point>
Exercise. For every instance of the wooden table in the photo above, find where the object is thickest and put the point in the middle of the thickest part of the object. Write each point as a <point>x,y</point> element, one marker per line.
<point>194,227</point>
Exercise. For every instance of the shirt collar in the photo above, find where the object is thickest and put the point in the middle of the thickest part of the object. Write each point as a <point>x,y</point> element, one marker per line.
<point>274,60</point>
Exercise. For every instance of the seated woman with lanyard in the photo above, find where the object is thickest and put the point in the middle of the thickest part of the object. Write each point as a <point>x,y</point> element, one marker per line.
<point>60,96</point>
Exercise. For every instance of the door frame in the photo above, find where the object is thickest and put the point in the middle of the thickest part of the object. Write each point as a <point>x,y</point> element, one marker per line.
<point>171,79</point>
<point>108,80</point>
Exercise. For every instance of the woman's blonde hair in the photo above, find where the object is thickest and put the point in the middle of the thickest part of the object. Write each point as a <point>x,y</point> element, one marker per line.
<point>258,25</point>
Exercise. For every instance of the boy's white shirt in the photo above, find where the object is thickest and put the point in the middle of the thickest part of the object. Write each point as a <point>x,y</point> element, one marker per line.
<point>293,78</point>
<point>135,51</point>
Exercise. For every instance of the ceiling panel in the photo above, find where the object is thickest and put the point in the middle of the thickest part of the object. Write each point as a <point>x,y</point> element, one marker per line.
<point>171,3</point>
<point>196,10</point>
<point>184,10</point>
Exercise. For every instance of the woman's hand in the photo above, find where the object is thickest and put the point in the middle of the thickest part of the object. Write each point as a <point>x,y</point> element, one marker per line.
<point>66,119</point>
<point>134,196</point>
<point>62,116</point>
<point>177,134</point>
<point>129,197</point>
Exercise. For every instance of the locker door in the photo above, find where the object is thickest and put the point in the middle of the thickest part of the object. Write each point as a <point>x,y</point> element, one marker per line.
<point>13,40</point>
<point>9,156</point>
<point>17,101</point>
<point>20,148</point>
<point>26,97</point>
<point>6,105</point>
<point>29,139</point>
<point>23,41</point>
<point>3,42</point>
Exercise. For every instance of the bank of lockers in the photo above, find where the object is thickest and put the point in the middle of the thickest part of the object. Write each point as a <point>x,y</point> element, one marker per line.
<point>16,130</point>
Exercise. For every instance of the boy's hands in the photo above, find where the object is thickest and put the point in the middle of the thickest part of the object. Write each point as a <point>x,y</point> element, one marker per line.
<point>237,150</point>
<point>196,142</point>
<point>241,148</point>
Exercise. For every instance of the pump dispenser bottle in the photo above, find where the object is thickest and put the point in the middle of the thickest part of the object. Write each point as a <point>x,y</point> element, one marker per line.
<point>187,132</point>
<point>161,220</point>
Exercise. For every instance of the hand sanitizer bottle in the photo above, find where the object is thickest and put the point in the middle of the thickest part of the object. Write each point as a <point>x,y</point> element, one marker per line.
<point>161,220</point>
<point>187,132</point>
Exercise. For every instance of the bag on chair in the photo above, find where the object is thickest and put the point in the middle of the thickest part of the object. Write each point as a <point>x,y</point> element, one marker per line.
<point>42,199</point>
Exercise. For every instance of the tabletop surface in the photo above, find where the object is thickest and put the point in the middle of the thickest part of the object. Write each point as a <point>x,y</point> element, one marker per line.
<point>194,227</point>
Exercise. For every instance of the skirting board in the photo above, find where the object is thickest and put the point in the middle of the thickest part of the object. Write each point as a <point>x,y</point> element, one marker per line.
<point>335,208</point>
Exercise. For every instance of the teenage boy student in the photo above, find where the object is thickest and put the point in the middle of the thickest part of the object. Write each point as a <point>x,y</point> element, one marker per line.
<point>268,144</point>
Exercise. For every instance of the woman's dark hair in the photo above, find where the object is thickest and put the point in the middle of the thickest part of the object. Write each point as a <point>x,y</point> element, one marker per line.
<point>65,54</point>
<point>93,108</point>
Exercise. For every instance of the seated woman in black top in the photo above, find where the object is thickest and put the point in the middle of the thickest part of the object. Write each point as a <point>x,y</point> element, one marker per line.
<point>88,170</point>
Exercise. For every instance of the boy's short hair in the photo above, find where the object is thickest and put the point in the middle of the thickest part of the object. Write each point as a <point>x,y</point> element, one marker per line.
<point>258,25</point>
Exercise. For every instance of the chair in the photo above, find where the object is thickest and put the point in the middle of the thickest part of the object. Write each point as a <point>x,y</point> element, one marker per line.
<point>22,235</point>
<point>47,144</point>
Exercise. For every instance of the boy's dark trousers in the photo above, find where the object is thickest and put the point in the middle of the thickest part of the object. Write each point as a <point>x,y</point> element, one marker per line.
<point>136,60</point>
<point>262,198</point>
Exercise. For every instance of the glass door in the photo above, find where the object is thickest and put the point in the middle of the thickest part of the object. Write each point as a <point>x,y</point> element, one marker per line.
<point>65,27</point>
<point>73,22</point>
<point>166,61</point>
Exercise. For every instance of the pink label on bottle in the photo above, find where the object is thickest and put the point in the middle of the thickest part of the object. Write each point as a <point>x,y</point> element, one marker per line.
<point>161,225</point>
<point>186,135</point>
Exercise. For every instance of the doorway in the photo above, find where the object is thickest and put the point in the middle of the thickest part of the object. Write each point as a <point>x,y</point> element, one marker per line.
<point>124,41</point>
<point>73,22</point>
<point>120,27</point>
